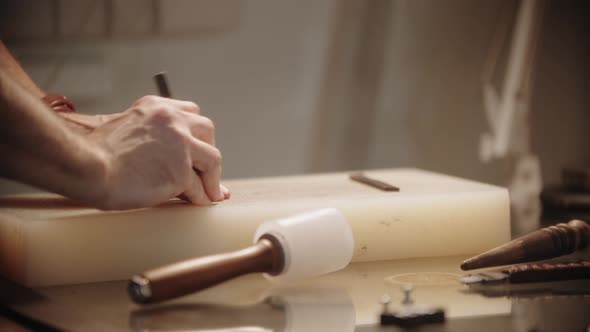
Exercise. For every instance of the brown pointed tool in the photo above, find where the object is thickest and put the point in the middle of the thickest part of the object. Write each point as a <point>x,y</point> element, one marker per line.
<point>549,242</point>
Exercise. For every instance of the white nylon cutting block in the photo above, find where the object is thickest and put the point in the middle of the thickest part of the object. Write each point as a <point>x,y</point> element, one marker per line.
<point>48,240</point>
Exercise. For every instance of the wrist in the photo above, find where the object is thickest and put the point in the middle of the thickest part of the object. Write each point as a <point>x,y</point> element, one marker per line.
<point>92,175</point>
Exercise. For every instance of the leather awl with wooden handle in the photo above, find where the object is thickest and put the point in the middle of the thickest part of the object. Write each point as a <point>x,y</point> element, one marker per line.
<point>303,245</point>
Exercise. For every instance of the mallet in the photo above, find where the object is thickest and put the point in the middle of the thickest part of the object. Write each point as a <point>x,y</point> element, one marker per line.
<point>303,245</point>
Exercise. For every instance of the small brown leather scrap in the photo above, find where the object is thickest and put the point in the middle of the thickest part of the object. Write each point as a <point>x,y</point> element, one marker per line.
<point>548,272</point>
<point>362,178</point>
<point>59,103</point>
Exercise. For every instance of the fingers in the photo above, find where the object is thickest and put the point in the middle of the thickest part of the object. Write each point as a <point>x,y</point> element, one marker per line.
<point>186,106</point>
<point>201,197</point>
<point>225,191</point>
<point>207,159</point>
<point>201,127</point>
<point>195,192</point>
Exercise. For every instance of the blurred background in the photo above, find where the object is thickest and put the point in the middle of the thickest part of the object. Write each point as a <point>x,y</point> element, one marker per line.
<point>315,86</point>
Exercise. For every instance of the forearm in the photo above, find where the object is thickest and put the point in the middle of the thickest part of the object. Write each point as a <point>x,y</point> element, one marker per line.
<point>78,122</point>
<point>9,65</point>
<point>37,148</point>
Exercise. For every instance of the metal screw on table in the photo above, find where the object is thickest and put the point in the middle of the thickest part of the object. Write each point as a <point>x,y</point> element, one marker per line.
<point>407,294</point>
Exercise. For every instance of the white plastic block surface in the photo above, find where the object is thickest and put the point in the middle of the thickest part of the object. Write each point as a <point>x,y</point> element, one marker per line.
<point>54,241</point>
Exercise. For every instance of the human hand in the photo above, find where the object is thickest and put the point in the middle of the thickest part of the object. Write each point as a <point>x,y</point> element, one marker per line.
<point>65,108</point>
<point>150,151</point>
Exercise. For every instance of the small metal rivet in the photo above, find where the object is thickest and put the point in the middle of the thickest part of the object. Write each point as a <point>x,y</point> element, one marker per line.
<point>385,300</point>
<point>407,289</point>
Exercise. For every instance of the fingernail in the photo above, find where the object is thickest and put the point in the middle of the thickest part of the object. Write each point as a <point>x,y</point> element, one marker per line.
<point>225,191</point>
<point>218,198</point>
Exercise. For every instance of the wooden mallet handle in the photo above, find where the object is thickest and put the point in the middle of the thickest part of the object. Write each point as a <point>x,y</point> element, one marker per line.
<point>192,275</point>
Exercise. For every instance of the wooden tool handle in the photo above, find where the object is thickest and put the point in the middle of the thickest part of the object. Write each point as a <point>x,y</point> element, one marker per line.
<point>549,242</point>
<point>562,239</point>
<point>189,276</point>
